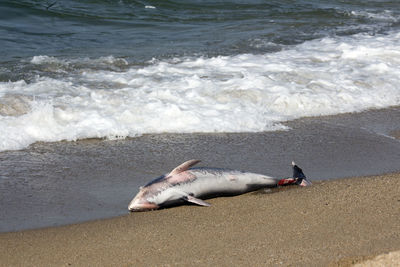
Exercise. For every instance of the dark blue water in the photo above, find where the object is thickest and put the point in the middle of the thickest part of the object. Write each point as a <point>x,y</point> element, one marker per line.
<point>142,30</point>
<point>109,69</point>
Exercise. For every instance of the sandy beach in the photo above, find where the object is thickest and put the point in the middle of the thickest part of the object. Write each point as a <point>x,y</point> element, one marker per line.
<point>332,223</point>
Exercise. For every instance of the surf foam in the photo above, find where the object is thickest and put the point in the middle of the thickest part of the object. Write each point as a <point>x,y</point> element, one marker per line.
<point>242,93</point>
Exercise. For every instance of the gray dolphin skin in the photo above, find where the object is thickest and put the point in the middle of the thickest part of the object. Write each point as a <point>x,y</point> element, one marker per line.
<point>187,184</point>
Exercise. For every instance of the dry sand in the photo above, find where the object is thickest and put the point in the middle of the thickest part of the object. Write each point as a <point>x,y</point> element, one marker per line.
<point>332,223</point>
<point>391,259</point>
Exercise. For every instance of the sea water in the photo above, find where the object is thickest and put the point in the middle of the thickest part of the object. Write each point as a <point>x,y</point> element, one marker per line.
<point>72,70</point>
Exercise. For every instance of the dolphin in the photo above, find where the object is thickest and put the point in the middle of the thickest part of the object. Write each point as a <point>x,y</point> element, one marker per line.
<point>187,184</point>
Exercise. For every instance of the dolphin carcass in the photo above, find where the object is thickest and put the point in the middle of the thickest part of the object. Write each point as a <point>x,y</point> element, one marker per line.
<point>191,184</point>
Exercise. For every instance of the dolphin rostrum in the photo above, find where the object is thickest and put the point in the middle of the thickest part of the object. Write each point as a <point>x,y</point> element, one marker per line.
<point>187,184</point>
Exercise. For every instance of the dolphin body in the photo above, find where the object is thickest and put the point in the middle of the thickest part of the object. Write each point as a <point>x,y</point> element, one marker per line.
<point>187,184</point>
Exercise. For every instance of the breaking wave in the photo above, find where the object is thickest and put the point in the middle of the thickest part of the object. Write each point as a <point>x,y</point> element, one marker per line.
<point>108,97</point>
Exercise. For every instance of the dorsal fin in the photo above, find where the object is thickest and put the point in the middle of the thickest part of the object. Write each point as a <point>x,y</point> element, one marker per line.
<point>184,166</point>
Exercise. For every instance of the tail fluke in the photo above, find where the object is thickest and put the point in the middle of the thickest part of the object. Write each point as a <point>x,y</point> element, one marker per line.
<point>298,174</point>
<point>298,178</point>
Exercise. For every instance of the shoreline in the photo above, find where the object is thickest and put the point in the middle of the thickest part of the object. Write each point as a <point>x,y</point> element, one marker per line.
<point>336,222</point>
<point>51,184</point>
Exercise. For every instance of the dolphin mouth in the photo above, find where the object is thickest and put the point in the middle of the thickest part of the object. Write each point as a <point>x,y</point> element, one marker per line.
<point>135,209</point>
<point>143,207</point>
<point>131,210</point>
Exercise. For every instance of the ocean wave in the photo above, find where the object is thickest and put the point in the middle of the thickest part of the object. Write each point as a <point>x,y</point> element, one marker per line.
<point>241,93</point>
<point>53,64</point>
<point>384,16</point>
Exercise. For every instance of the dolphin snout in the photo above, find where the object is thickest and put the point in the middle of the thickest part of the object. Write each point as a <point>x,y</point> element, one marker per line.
<point>140,204</point>
<point>143,207</point>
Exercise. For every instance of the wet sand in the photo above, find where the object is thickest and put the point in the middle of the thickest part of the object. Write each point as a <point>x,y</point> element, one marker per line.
<point>333,223</point>
<point>53,184</point>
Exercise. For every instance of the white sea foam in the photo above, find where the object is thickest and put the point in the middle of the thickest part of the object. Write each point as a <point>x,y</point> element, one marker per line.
<point>53,64</point>
<point>383,16</point>
<point>242,93</point>
<point>102,60</point>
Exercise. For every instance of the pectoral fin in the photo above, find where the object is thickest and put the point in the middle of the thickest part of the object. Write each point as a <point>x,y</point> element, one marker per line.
<point>197,201</point>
